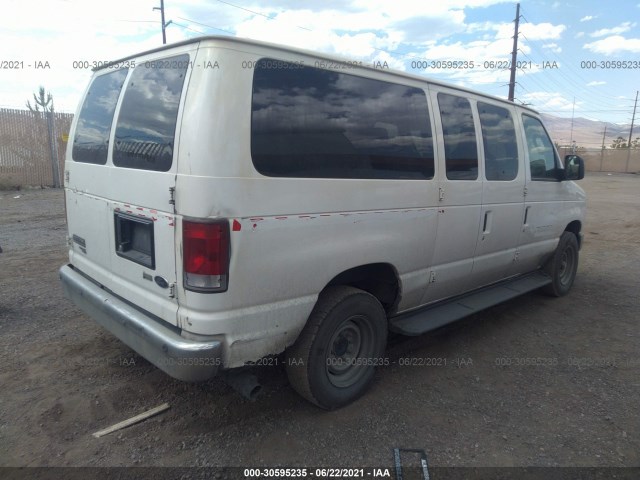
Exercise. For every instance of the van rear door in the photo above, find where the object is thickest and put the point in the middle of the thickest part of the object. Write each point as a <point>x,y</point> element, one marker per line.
<point>120,179</point>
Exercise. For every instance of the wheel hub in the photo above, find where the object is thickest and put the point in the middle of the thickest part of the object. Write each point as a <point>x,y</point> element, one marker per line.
<point>350,342</point>
<point>340,346</point>
<point>565,269</point>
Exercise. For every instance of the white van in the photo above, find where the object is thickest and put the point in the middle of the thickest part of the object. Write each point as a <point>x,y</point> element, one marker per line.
<point>229,200</point>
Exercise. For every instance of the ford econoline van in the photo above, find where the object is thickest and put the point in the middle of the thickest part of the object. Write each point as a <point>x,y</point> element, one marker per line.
<point>231,200</point>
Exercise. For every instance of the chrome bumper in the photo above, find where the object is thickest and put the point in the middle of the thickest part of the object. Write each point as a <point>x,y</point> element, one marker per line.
<point>181,358</point>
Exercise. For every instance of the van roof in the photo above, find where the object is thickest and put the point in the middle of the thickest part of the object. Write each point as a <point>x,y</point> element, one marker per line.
<point>320,55</point>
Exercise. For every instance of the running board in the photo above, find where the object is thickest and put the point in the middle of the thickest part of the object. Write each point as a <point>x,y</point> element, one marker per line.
<point>435,316</point>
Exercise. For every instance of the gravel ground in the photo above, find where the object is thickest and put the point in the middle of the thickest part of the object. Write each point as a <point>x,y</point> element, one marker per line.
<point>533,382</point>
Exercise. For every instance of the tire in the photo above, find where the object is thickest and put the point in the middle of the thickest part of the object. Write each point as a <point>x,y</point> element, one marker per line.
<point>562,267</point>
<point>332,362</point>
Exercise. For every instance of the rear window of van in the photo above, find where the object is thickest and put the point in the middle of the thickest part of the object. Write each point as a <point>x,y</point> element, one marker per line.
<point>91,140</point>
<point>146,125</point>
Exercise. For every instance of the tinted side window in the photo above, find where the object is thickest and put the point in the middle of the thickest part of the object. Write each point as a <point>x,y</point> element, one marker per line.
<point>460,149</point>
<point>146,124</point>
<point>91,140</point>
<point>500,144</point>
<point>309,122</point>
<point>542,156</point>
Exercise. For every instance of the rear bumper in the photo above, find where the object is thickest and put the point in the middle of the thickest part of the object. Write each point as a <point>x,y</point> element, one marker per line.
<point>181,358</point>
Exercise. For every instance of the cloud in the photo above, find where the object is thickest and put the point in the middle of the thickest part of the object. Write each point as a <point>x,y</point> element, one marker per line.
<point>397,31</point>
<point>410,8</point>
<point>554,101</point>
<point>316,36</point>
<point>485,27</point>
<point>554,47</point>
<point>421,29</point>
<point>533,31</point>
<point>595,83</point>
<point>623,27</point>
<point>478,51</point>
<point>587,18</point>
<point>615,44</point>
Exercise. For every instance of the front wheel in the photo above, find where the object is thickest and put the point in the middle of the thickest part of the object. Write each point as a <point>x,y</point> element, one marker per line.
<point>562,267</point>
<point>332,362</point>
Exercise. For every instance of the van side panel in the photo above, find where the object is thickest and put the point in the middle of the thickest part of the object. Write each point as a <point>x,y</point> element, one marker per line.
<point>289,236</point>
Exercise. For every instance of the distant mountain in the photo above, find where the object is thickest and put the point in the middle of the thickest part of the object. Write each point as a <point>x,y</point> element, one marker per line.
<point>586,133</point>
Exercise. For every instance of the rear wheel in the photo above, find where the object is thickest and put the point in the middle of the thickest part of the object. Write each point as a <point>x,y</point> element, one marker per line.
<point>563,266</point>
<point>332,362</point>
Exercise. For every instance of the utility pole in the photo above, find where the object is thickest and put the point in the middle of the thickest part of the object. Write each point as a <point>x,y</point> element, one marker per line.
<point>164,25</point>
<point>602,151</point>
<point>633,118</point>
<point>573,109</point>
<point>514,57</point>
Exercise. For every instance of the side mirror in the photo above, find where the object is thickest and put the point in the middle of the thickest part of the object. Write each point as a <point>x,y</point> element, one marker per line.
<point>573,168</point>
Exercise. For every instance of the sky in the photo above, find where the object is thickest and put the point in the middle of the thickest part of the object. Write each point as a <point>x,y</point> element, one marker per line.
<point>572,54</point>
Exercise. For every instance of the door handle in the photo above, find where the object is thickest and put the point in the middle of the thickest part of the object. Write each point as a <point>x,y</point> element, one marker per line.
<point>486,226</point>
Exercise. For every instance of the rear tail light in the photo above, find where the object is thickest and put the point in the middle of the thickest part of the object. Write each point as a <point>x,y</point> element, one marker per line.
<point>205,248</point>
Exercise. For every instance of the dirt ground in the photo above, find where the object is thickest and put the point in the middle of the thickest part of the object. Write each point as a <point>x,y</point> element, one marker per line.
<point>535,382</point>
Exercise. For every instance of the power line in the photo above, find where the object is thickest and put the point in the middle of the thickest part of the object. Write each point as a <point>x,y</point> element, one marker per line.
<point>204,25</point>
<point>188,28</point>
<point>571,82</point>
<point>139,21</point>
<point>251,11</point>
<point>585,97</point>
<point>590,111</point>
<point>548,83</point>
<point>574,72</point>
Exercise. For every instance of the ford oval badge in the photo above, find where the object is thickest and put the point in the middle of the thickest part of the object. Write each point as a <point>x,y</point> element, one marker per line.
<point>161,282</point>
